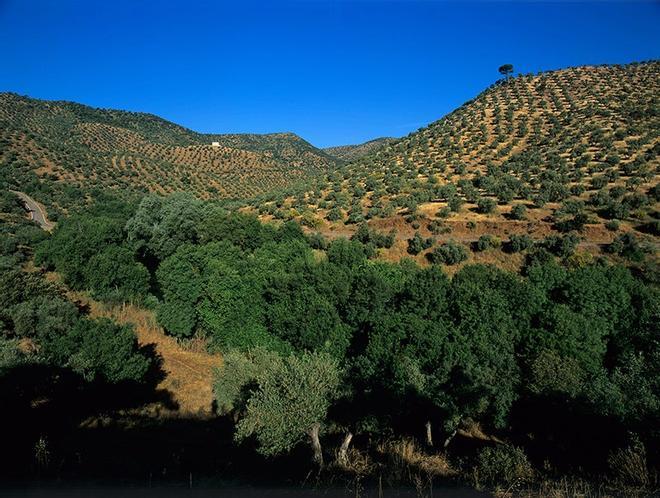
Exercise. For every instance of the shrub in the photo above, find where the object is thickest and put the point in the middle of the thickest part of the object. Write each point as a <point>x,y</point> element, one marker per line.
<point>444,212</point>
<point>486,205</point>
<point>418,243</point>
<point>334,214</point>
<point>98,349</point>
<point>518,212</point>
<point>502,465</point>
<point>438,227</point>
<point>576,223</point>
<point>612,225</point>
<point>561,246</point>
<point>374,238</point>
<point>317,241</point>
<point>450,253</point>
<point>486,242</point>
<point>626,245</point>
<point>455,204</point>
<point>309,220</point>
<point>628,465</point>
<point>519,243</point>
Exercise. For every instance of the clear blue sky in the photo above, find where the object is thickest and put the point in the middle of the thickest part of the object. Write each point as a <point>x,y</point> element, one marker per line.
<point>333,72</point>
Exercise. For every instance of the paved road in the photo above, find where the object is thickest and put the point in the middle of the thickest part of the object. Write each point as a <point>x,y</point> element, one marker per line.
<point>37,213</point>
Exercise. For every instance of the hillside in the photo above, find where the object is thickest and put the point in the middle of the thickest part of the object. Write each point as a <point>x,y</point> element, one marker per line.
<point>574,149</point>
<point>353,152</point>
<point>64,150</point>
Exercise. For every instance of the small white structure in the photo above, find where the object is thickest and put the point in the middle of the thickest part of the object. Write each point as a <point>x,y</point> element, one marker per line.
<point>215,144</point>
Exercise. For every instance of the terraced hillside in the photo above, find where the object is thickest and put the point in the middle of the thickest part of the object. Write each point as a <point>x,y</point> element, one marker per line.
<point>353,152</point>
<point>64,150</point>
<point>569,150</point>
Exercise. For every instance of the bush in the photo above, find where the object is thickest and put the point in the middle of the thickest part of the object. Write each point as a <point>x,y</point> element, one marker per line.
<point>629,466</point>
<point>626,245</point>
<point>374,238</point>
<point>519,243</point>
<point>612,225</point>
<point>576,223</point>
<point>334,214</point>
<point>98,350</point>
<point>317,241</point>
<point>444,212</point>
<point>438,227</point>
<point>561,246</point>
<point>450,253</point>
<point>518,212</point>
<point>502,465</point>
<point>486,242</point>
<point>418,243</point>
<point>455,204</point>
<point>486,205</point>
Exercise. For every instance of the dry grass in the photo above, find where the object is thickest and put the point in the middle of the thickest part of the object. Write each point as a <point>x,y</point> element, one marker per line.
<point>409,460</point>
<point>473,430</point>
<point>358,463</point>
<point>571,488</point>
<point>629,467</point>
<point>188,367</point>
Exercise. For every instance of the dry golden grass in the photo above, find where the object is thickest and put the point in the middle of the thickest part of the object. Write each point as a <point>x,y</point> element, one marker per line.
<point>188,367</point>
<point>358,463</point>
<point>407,458</point>
<point>472,429</point>
<point>566,488</point>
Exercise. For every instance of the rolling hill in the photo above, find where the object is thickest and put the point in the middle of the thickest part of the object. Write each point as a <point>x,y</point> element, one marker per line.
<point>63,151</point>
<point>573,148</point>
<point>353,152</point>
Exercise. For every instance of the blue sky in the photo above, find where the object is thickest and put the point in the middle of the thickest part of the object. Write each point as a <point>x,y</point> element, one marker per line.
<point>333,72</point>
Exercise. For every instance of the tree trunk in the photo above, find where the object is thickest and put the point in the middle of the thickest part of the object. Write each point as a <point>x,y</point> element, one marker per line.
<point>429,434</point>
<point>316,444</point>
<point>342,456</point>
<point>448,440</point>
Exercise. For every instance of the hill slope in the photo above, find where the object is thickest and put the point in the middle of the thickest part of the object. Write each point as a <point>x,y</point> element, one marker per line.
<point>353,152</point>
<point>580,141</point>
<point>74,148</point>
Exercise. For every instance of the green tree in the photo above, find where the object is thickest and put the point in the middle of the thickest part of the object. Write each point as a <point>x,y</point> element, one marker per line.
<point>160,225</point>
<point>449,253</point>
<point>43,317</point>
<point>486,205</point>
<point>98,350</point>
<point>113,274</point>
<point>291,403</point>
<point>518,212</point>
<point>506,70</point>
<point>75,241</point>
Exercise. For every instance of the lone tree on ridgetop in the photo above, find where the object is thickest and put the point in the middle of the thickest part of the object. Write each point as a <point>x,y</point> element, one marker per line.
<point>506,70</point>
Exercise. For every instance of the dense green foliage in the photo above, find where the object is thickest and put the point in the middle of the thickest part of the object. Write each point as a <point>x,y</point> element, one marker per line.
<point>377,347</point>
<point>320,339</point>
<point>38,312</point>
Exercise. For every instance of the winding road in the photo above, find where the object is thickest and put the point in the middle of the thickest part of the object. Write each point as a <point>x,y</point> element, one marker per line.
<point>37,212</point>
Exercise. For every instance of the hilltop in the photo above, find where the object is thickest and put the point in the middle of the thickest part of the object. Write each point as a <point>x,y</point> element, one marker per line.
<point>353,152</point>
<point>64,150</point>
<point>573,149</point>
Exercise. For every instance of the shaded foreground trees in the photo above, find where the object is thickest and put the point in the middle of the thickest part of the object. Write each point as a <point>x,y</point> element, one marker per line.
<point>320,343</point>
<point>279,400</point>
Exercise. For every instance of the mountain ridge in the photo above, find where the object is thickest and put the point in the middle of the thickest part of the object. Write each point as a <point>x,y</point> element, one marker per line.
<point>58,146</point>
<point>355,151</point>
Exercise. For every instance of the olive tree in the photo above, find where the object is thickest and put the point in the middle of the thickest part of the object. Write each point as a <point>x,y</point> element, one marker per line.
<point>283,403</point>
